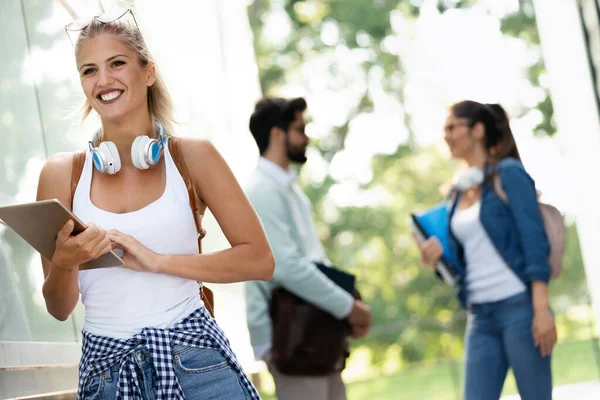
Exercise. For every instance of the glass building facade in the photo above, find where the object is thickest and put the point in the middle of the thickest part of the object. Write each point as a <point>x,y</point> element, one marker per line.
<point>207,60</point>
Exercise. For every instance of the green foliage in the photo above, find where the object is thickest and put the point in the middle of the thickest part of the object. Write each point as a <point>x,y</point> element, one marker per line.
<point>415,316</point>
<point>571,362</point>
<point>521,24</point>
<point>410,305</point>
<point>353,19</point>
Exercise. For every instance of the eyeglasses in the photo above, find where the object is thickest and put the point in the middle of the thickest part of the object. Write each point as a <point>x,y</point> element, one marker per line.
<point>104,18</point>
<point>450,127</point>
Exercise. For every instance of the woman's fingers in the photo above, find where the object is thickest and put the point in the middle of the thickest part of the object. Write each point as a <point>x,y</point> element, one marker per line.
<point>120,239</point>
<point>65,231</point>
<point>545,341</point>
<point>431,250</point>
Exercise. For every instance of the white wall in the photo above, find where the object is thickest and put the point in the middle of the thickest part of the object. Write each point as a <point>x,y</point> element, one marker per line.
<point>577,119</point>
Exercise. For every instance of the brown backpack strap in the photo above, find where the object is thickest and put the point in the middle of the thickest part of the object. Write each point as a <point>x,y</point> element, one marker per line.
<point>76,170</point>
<point>197,209</point>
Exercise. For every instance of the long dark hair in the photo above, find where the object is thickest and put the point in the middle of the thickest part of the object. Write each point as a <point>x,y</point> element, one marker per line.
<point>499,139</point>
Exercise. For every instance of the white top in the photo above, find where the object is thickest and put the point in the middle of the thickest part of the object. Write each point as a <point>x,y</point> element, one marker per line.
<point>488,277</point>
<point>120,302</point>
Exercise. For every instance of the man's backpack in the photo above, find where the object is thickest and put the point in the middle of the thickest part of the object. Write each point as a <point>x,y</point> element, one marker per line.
<point>554,225</point>
<point>197,208</point>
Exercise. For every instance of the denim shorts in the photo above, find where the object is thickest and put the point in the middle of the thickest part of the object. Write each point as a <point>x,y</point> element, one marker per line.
<point>203,373</point>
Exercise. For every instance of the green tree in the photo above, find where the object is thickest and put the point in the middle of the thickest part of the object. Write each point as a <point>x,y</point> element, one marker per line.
<point>521,24</point>
<point>415,316</point>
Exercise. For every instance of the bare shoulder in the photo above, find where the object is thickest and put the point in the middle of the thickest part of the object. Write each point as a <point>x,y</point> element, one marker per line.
<point>208,170</point>
<point>55,177</point>
<point>58,166</point>
<point>199,153</point>
<point>59,161</point>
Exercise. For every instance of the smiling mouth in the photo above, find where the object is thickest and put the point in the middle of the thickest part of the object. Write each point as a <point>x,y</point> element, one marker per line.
<point>110,97</point>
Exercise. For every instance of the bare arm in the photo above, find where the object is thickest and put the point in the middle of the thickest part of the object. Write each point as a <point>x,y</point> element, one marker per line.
<point>544,326</point>
<point>539,293</point>
<point>250,256</point>
<point>61,288</point>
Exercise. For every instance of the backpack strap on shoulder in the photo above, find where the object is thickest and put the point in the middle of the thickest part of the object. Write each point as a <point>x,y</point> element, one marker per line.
<point>197,209</point>
<point>76,170</point>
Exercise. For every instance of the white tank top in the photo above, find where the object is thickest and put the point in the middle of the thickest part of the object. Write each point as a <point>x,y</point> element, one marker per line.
<point>488,278</point>
<point>120,302</point>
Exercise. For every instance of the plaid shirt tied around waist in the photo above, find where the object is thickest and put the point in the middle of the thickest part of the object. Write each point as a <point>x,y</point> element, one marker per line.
<point>199,329</point>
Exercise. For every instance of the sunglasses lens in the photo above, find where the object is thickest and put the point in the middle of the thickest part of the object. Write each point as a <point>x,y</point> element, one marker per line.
<point>112,16</point>
<point>105,18</point>
<point>79,24</point>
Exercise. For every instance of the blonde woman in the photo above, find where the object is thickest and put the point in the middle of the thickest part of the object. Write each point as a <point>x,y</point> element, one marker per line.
<point>146,332</point>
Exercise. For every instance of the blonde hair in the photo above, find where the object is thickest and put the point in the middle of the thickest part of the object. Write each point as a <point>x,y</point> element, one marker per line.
<point>160,104</point>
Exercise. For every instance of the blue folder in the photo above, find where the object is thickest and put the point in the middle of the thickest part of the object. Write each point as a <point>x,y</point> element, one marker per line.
<point>434,222</point>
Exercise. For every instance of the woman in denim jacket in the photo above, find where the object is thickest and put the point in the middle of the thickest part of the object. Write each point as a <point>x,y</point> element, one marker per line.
<point>502,252</point>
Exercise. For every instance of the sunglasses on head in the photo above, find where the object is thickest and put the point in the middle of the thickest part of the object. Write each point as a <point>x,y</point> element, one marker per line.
<point>105,18</point>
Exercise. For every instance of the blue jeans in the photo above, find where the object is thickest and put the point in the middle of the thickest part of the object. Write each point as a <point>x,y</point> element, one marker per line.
<point>202,373</point>
<point>498,337</point>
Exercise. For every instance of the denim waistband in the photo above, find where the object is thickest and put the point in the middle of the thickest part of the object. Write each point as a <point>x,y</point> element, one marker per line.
<point>523,297</point>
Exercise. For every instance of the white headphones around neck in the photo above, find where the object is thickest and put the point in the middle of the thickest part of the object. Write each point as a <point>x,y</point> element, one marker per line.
<point>469,178</point>
<point>145,152</point>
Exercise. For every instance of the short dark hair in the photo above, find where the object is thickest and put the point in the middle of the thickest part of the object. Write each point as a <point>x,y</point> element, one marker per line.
<point>272,112</point>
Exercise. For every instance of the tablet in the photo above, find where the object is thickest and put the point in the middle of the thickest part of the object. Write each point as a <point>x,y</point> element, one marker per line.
<point>39,223</point>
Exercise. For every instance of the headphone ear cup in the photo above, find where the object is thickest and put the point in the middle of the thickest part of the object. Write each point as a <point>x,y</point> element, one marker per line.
<point>138,149</point>
<point>110,157</point>
<point>152,152</point>
<point>134,147</point>
<point>98,159</point>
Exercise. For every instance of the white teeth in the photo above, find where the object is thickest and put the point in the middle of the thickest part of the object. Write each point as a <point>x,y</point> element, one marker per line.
<point>110,96</point>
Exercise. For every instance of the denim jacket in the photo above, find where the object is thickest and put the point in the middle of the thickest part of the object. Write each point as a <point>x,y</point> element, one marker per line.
<point>516,229</point>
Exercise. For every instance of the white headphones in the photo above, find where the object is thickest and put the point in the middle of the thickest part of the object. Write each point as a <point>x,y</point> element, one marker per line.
<point>145,152</point>
<point>469,178</point>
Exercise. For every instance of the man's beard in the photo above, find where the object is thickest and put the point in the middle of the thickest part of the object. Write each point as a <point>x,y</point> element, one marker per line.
<point>295,154</point>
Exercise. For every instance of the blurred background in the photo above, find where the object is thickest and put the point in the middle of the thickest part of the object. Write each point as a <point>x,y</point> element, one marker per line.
<point>378,77</point>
